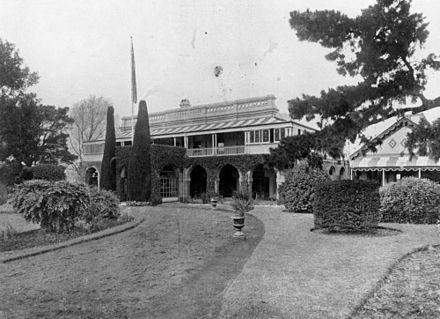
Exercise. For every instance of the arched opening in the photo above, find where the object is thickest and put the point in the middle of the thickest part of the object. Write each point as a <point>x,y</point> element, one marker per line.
<point>229,179</point>
<point>332,171</point>
<point>92,176</point>
<point>263,183</point>
<point>169,183</point>
<point>342,173</point>
<point>198,181</point>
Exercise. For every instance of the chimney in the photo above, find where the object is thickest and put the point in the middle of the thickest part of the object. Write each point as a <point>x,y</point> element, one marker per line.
<point>184,103</point>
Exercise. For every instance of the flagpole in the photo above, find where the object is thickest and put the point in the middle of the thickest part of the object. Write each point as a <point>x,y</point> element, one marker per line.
<point>133,90</point>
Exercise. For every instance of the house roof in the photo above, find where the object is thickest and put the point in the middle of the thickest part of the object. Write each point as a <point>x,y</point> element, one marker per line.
<point>394,163</point>
<point>123,134</point>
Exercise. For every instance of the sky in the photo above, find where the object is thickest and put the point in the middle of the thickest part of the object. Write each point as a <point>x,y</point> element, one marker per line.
<point>82,48</point>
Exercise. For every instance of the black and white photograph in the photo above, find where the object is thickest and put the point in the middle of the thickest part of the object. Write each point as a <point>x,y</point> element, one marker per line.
<point>231,159</point>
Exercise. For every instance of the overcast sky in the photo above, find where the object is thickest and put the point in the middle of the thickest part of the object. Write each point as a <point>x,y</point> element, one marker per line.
<point>80,48</point>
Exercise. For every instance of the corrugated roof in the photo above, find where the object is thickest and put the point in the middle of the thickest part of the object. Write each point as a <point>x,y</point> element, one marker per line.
<point>206,127</point>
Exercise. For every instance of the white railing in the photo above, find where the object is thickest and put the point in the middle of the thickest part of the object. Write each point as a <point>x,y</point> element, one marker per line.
<point>230,150</point>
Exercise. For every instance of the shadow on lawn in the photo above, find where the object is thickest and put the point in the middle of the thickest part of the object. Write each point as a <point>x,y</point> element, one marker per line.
<point>200,296</point>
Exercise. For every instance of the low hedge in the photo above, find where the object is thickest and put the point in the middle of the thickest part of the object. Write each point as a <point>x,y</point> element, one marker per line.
<point>410,200</point>
<point>54,205</point>
<point>347,205</point>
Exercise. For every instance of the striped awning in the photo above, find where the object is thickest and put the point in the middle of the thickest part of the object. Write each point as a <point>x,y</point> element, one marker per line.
<point>206,127</point>
<point>394,163</point>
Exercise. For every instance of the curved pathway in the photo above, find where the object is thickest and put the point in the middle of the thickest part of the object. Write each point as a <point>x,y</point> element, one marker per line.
<point>296,273</point>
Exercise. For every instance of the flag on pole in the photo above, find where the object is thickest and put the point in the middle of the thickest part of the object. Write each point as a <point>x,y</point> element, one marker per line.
<point>133,76</point>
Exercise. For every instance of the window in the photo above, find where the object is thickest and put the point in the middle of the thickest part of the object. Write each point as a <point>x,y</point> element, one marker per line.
<point>283,132</point>
<point>265,135</point>
<point>299,132</point>
<point>251,137</point>
<point>277,134</point>
<point>257,136</point>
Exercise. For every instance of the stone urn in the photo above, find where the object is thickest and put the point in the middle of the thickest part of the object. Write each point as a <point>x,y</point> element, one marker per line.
<point>238,223</point>
<point>214,203</point>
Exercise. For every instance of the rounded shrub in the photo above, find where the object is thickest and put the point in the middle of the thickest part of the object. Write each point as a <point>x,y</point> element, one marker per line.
<point>297,192</point>
<point>103,205</point>
<point>56,206</point>
<point>48,172</point>
<point>410,200</point>
<point>347,205</point>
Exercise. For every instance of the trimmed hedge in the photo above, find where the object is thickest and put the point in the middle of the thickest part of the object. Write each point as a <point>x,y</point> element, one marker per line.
<point>54,205</point>
<point>298,191</point>
<point>410,200</point>
<point>3,193</point>
<point>347,205</point>
<point>48,172</point>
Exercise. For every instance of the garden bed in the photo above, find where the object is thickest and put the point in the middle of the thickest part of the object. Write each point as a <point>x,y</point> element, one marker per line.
<point>39,237</point>
<point>411,289</point>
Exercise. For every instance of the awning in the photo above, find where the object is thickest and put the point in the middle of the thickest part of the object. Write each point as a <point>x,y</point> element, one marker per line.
<point>206,127</point>
<point>394,163</point>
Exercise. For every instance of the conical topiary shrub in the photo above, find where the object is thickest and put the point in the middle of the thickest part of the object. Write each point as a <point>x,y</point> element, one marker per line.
<point>108,166</point>
<point>139,165</point>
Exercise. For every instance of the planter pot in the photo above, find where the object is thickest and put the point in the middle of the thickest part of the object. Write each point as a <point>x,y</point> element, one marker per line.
<point>213,203</point>
<point>238,223</point>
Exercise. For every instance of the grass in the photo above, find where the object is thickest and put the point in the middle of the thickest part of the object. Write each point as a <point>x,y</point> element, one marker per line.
<point>176,264</point>
<point>410,290</point>
<point>13,240</point>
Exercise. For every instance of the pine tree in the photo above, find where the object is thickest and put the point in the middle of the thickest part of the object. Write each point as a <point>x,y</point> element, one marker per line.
<point>108,168</point>
<point>139,166</point>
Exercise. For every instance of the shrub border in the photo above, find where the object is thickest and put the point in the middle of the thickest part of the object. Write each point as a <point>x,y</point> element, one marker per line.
<point>9,256</point>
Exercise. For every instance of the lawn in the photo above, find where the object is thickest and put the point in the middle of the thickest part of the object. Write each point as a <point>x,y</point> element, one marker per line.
<point>174,265</point>
<point>411,290</point>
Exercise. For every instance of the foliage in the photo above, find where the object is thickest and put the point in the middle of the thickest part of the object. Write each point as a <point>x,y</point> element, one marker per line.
<point>3,193</point>
<point>242,203</point>
<point>48,172</point>
<point>30,132</point>
<point>108,166</point>
<point>161,156</point>
<point>103,205</point>
<point>14,76</point>
<point>88,122</point>
<point>156,199</point>
<point>54,205</point>
<point>139,166</point>
<point>410,200</point>
<point>425,138</point>
<point>297,193</point>
<point>9,172</point>
<point>347,205</point>
<point>377,47</point>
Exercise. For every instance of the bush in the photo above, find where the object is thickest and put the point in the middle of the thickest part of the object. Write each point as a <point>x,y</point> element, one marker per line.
<point>3,193</point>
<point>103,205</point>
<point>155,199</point>
<point>297,192</point>
<point>242,202</point>
<point>48,172</point>
<point>347,205</point>
<point>54,205</point>
<point>410,200</point>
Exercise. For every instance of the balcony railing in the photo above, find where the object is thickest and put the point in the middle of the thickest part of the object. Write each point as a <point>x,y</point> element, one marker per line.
<point>230,150</point>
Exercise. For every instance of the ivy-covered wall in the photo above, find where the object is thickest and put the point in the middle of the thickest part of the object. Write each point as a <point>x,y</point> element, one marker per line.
<point>161,156</point>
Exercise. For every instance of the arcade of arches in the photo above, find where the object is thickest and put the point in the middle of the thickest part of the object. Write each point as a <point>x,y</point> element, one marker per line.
<point>262,182</point>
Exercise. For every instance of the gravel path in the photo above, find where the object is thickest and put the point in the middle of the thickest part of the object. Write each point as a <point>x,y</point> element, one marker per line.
<point>296,273</point>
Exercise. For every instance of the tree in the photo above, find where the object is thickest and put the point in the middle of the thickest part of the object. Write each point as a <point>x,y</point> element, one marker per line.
<point>139,165</point>
<point>425,139</point>
<point>29,131</point>
<point>88,123</point>
<point>378,47</point>
<point>108,167</point>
